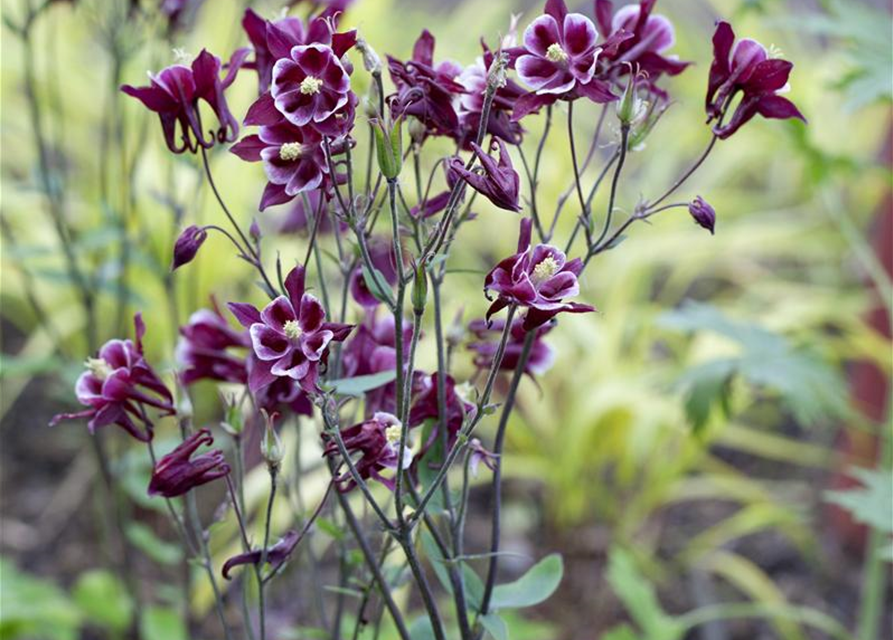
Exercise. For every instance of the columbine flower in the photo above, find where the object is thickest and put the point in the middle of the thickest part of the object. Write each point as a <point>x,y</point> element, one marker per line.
<point>118,385</point>
<point>310,85</point>
<point>187,245</point>
<point>377,440</point>
<point>283,396</point>
<point>178,472</point>
<point>276,555</point>
<point>174,94</point>
<point>538,279</point>
<point>425,90</point>
<point>638,37</point>
<point>290,337</point>
<point>425,407</point>
<point>498,182</point>
<point>372,349</point>
<point>293,159</point>
<point>478,455</point>
<point>746,68</point>
<point>471,104</point>
<point>703,213</point>
<point>487,334</point>
<point>558,60</point>
<point>202,349</point>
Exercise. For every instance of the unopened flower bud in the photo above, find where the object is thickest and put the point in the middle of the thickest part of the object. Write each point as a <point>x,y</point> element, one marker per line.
<point>232,423</point>
<point>271,446</point>
<point>254,230</point>
<point>371,61</point>
<point>187,245</point>
<point>496,74</point>
<point>419,289</point>
<point>389,147</point>
<point>703,213</point>
<point>631,109</point>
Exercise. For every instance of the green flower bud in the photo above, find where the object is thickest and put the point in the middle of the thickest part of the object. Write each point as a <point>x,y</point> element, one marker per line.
<point>389,147</point>
<point>419,289</point>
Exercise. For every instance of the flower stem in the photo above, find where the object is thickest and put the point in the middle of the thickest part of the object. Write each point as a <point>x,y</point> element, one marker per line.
<point>685,176</point>
<point>496,491</point>
<point>261,607</point>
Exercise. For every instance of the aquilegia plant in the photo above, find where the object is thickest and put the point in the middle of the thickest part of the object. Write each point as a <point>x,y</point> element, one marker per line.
<point>338,351</point>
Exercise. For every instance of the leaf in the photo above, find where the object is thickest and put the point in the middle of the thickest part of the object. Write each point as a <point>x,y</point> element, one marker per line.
<point>27,366</point>
<point>160,623</point>
<point>871,504</point>
<point>144,539</point>
<point>620,632</point>
<point>34,608</point>
<point>372,283</point>
<point>535,586</point>
<point>421,629</point>
<point>361,384</point>
<point>474,587</point>
<point>104,600</point>
<point>640,599</point>
<point>495,626</point>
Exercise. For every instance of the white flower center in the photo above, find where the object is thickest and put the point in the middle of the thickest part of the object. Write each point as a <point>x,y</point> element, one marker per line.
<point>393,434</point>
<point>292,330</point>
<point>291,151</point>
<point>555,53</point>
<point>310,85</point>
<point>547,268</point>
<point>99,368</point>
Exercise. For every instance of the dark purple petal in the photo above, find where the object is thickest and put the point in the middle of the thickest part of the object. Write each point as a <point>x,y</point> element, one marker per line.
<point>246,314</point>
<point>187,245</point>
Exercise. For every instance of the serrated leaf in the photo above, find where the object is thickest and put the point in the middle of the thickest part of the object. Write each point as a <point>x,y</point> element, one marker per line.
<point>535,586</point>
<point>359,385</point>
<point>871,504</point>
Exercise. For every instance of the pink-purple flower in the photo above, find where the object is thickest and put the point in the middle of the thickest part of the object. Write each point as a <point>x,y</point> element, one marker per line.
<point>310,85</point>
<point>425,407</point>
<point>377,443</point>
<point>174,94</point>
<point>486,343</point>
<point>118,386</point>
<point>538,279</point>
<point>290,337</point>
<point>179,471</point>
<point>745,67</point>
<point>495,180</point>
<point>702,213</point>
<point>202,350</point>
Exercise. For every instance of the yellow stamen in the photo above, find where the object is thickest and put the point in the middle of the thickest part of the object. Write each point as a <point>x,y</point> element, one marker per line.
<point>547,268</point>
<point>99,368</point>
<point>393,434</point>
<point>556,54</point>
<point>310,85</point>
<point>292,330</point>
<point>291,151</point>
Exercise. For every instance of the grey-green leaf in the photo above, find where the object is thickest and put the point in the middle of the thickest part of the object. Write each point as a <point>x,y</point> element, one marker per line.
<point>533,587</point>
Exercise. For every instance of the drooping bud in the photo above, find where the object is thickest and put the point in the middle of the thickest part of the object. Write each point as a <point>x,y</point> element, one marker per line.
<point>232,423</point>
<point>703,214</point>
<point>371,61</point>
<point>187,245</point>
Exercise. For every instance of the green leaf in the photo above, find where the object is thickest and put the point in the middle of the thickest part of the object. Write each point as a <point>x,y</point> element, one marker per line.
<point>495,626</point>
<point>620,632</point>
<point>160,623</point>
<point>535,586</point>
<point>372,283</point>
<point>474,587</point>
<point>329,528</point>
<point>144,539</point>
<point>34,608</point>
<point>871,504</point>
<point>104,600</point>
<point>361,384</point>
<point>640,599</point>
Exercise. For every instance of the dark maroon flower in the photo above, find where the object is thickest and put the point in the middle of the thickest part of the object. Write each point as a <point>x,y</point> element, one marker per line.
<point>488,334</point>
<point>377,441</point>
<point>276,555</point>
<point>637,40</point>
<point>425,90</point>
<point>384,259</point>
<point>282,396</point>
<point>187,245</point>
<point>309,85</point>
<point>180,14</point>
<point>373,350</point>
<point>537,278</point>
<point>746,68</point>
<point>703,213</point>
<point>290,337</point>
<point>202,349</point>
<point>425,407</point>
<point>293,159</point>
<point>497,181</point>
<point>118,386</point>
<point>178,472</point>
<point>174,94</point>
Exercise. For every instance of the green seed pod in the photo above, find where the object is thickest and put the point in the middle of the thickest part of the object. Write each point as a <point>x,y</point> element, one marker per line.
<point>389,147</point>
<point>419,289</point>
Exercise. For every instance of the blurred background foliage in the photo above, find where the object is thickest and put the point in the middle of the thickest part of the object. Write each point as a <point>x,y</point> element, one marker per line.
<point>701,409</point>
